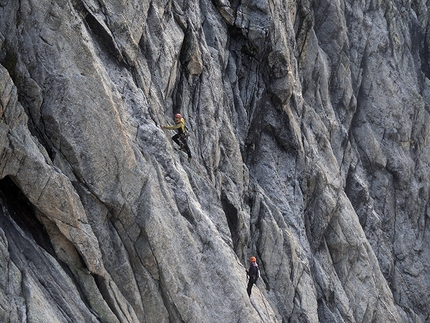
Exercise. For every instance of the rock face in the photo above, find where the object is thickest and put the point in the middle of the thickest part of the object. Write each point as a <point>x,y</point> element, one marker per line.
<point>309,128</point>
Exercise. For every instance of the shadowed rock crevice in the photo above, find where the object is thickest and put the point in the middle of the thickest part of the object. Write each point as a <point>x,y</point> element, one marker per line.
<point>233,222</point>
<point>23,213</point>
<point>9,60</point>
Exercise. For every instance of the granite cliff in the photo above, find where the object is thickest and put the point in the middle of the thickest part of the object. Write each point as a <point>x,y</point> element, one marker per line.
<point>309,128</point>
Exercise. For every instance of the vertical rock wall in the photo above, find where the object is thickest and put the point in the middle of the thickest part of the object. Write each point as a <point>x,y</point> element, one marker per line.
<point>309,129</point>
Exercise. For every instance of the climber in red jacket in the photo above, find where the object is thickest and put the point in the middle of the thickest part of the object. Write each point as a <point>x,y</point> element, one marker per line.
<point>181,137</point>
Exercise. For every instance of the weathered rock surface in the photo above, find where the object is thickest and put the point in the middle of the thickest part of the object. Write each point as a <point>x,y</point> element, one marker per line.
<point>309,127</point>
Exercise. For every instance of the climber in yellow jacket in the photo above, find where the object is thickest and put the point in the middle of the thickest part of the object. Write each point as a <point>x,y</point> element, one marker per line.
<point>181,137</point>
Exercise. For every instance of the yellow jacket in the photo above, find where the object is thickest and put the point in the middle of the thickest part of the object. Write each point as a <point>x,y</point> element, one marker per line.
<point>180,126</point>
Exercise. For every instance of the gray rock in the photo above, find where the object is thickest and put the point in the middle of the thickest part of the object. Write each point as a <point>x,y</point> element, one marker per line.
<point>308,126</point>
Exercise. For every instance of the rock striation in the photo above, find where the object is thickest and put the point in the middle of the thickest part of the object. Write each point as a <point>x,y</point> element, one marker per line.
<point>309,128</point>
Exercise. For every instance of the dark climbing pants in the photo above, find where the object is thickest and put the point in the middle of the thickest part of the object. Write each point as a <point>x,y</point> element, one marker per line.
<point>181,141</point>
<point>251,282</point>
